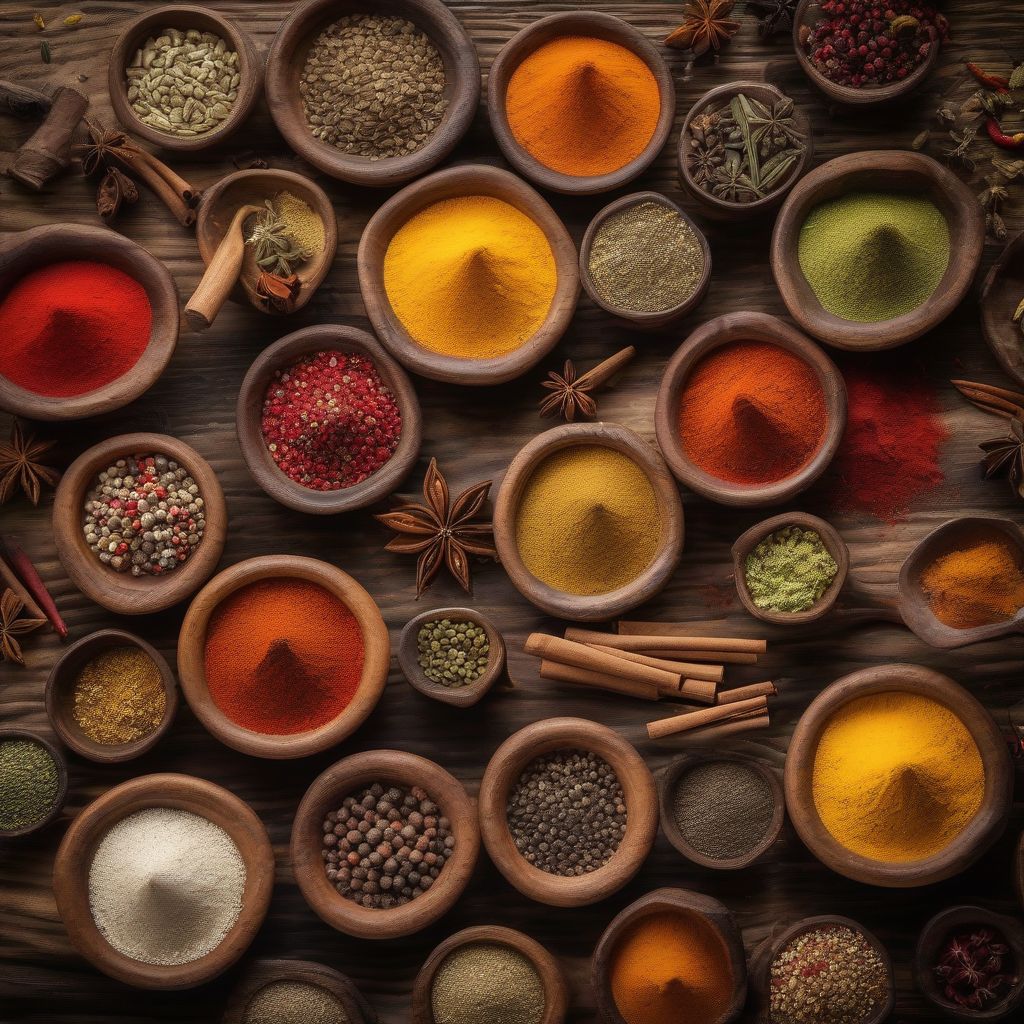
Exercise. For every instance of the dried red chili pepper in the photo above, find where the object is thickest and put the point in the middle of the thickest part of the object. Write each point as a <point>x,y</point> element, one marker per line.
<point>1000,138</point>
<point>991,81</point>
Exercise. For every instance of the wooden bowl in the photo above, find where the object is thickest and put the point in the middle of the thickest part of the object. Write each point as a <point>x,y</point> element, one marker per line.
<point>25,251</point>
<point>249,411</point>
<point>466,179</point>
<point>192,649</point>
<point>595,25</point>
<point>597,607</point>
<point>342,779</point>
<point>645,321</point>
<point>666,790</point>
<point>556,994</point>
<point>120,592</point>
<point>980,833</point>
<point>880,170</point>
<point>459,696</point>
<point>835,544</point>
<point>1018,867</point>
<point>1000,295</point>
<point>926,954</point>
<point>714,914</point>
<point>287,57</point>
<point>60,694</point>
<point>503,772</point>
<point>184,16</point>
<point>723,209</point>
<point>183,792</point>
<point>12,733</point>
<point>714,334</point>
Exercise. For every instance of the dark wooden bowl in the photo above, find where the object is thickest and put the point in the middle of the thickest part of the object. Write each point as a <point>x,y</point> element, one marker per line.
<point>926,954</point>
<point>192,649</point>
<point>1000,295</point>
<point>503,771</point>
<point>723,209</point>
<point>881,170</point>
<point>598,607</point>
<point>714,914</point>
<point>595,25</point>
<point>459,696</point>
<point>12,733</point>
<point>1018,870</point>
<point>980,833</point>
<point>556,995</point>
<point>287,57</point>
<point>327,792</point>
<point>60,693</point>
<point>186,793</point>
<point>714,334</point>
<point>645,321</point>
<point>25,251</point>
<point>249,411</point>
<point>120,592</point>
<point>476,180</point>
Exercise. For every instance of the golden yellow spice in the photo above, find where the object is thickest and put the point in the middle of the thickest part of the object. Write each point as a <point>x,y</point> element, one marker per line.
<point>119,696</point>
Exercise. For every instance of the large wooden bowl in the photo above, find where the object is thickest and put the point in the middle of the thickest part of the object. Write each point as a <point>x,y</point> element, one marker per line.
<point>465,180</point>
<point>1000,295</point>
<point>25,251</point>
<point>287,57</point>
<point>329,789</point>
<point>61,765</point>
<point>121,592</point>
<point>886,171</point>
<point>980,833</point>
<point>503,772</point>
<point>192,650</point>
<point>183,792</point>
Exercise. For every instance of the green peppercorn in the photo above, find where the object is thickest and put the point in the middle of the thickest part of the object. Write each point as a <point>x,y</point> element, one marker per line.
<point>452,653</point>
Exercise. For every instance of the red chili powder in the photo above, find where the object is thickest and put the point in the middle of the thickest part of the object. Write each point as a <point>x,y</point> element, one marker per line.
<point>70,328</point>
<point>283,656</point>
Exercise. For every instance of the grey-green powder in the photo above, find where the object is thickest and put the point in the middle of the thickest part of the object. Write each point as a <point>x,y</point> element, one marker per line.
<point>487,983</point>
<point>452,653</point>
<point>789,570</point>
<point>28,783</point>
<point>294,1002</point>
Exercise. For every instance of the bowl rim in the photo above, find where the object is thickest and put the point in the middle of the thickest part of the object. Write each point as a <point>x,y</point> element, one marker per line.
<point>1001,337</point>
<point>13,732</point>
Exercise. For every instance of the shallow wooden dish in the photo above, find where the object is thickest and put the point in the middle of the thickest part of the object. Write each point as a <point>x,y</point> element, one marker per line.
<point>503,772</point>
<point>884,170</point>
<point>192,645</point>
<point>461,696</point>
<point>714,914</point>
<point>327,792</point>
<point>120,592</point>
<point>1000,295</point>
<point>556,995</point>
<point>11,733</point>
<point>596,25</point>
<point>982,831</point>
<point>287,57</point>
<point>25,251</point>
<point>249,410</point>
<point>714,334</point>
<point>183,792</point>
<point>60,691</point>
<point>466,179</point>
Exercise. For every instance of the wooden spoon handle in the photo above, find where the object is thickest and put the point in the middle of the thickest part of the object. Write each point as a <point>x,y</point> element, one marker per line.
<point>221,274</point>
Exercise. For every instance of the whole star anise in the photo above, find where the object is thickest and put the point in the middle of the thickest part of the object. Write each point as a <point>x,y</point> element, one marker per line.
<point>774,16</point>
<point>12,626</point>
<point>706,24</point>
<point>21,465</point>
<point>1004,456</point>
<point>570,394</point>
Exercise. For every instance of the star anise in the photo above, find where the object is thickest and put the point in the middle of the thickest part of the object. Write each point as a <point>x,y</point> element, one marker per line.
<point>107,144</point>
<point>12,626</point>
<point>21,465</point>
<point>706,24</point>
<point>570,395</point>
<point>1004,456</point>
<point>441,532</point>
<point>774,16</point>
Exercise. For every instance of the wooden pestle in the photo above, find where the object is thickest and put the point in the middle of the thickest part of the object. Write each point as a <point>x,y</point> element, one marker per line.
<point>222,273</point>
<point>48,151</point>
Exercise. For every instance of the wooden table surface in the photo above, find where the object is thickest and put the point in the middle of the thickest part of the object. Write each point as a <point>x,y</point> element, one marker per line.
<point>474,433</point>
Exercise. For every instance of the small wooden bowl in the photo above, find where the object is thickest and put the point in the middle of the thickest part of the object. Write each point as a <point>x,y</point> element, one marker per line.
<point>886,171</point>
<point>722,331</point>
<point>11,733</point>
<point>645,321</point>
<point>186,793</point>
<point>502,773</point>
<point>598,607</point>
<point>1000,295</point>
<point>556,994</point>
<point>60,693</point>
<point>249,411</point>
<point>287,58</point>
<point>981,832</point>
<point>926,954</point>
<point>465,180</point>
<point>24,251</point>
<point>595,25</point>
<point>121,592</point>
<point>182,17</point>
<point>714,914</point>
<point>835,544</point>
<point>342,779</point>
<point>459,696</point>
<point>192,649</point>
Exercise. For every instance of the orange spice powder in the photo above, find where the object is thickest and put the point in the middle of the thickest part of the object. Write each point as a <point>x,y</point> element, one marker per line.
<point>975,586</point>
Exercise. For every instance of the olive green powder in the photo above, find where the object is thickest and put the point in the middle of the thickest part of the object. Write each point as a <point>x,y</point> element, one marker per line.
<point>28,783</point>
<point>294,1002</point>
<point>487,983</point>
<point>453,653</point>
<point>789,570</point>
<point>873,256</point>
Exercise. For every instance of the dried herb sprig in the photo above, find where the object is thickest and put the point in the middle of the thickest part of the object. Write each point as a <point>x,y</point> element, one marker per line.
<point>276,251</point>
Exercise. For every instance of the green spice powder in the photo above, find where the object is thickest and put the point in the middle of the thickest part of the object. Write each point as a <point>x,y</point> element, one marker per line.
<point>452,653</point>
<point>789,570</point>
<point>872,256</point>
<point>487,983</point>
<point>294,1002</point>
<point>28,783</point>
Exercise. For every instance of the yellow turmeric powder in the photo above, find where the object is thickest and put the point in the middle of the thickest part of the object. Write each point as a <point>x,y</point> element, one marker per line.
<point>975,586</point>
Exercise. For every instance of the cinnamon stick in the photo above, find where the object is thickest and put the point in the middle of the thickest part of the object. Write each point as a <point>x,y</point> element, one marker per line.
<point>708,673</point>
<point>48,151</point>
<point>12,582</point>
<point>12,552</point>
<point>715,657</point>
<point>746,692</point>
<point>221,275</point>
<point>174,200</point>
<point>717,732</point>
<point>990,398</point>
<point>665,641</point>
<point>597,375</point>
<point>706,716</point>
<point>565,652</point>
<point>597,680</point>
<point>188,192</point>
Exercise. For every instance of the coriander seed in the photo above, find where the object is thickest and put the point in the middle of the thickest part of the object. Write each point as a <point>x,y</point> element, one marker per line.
<point>453,653</point>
